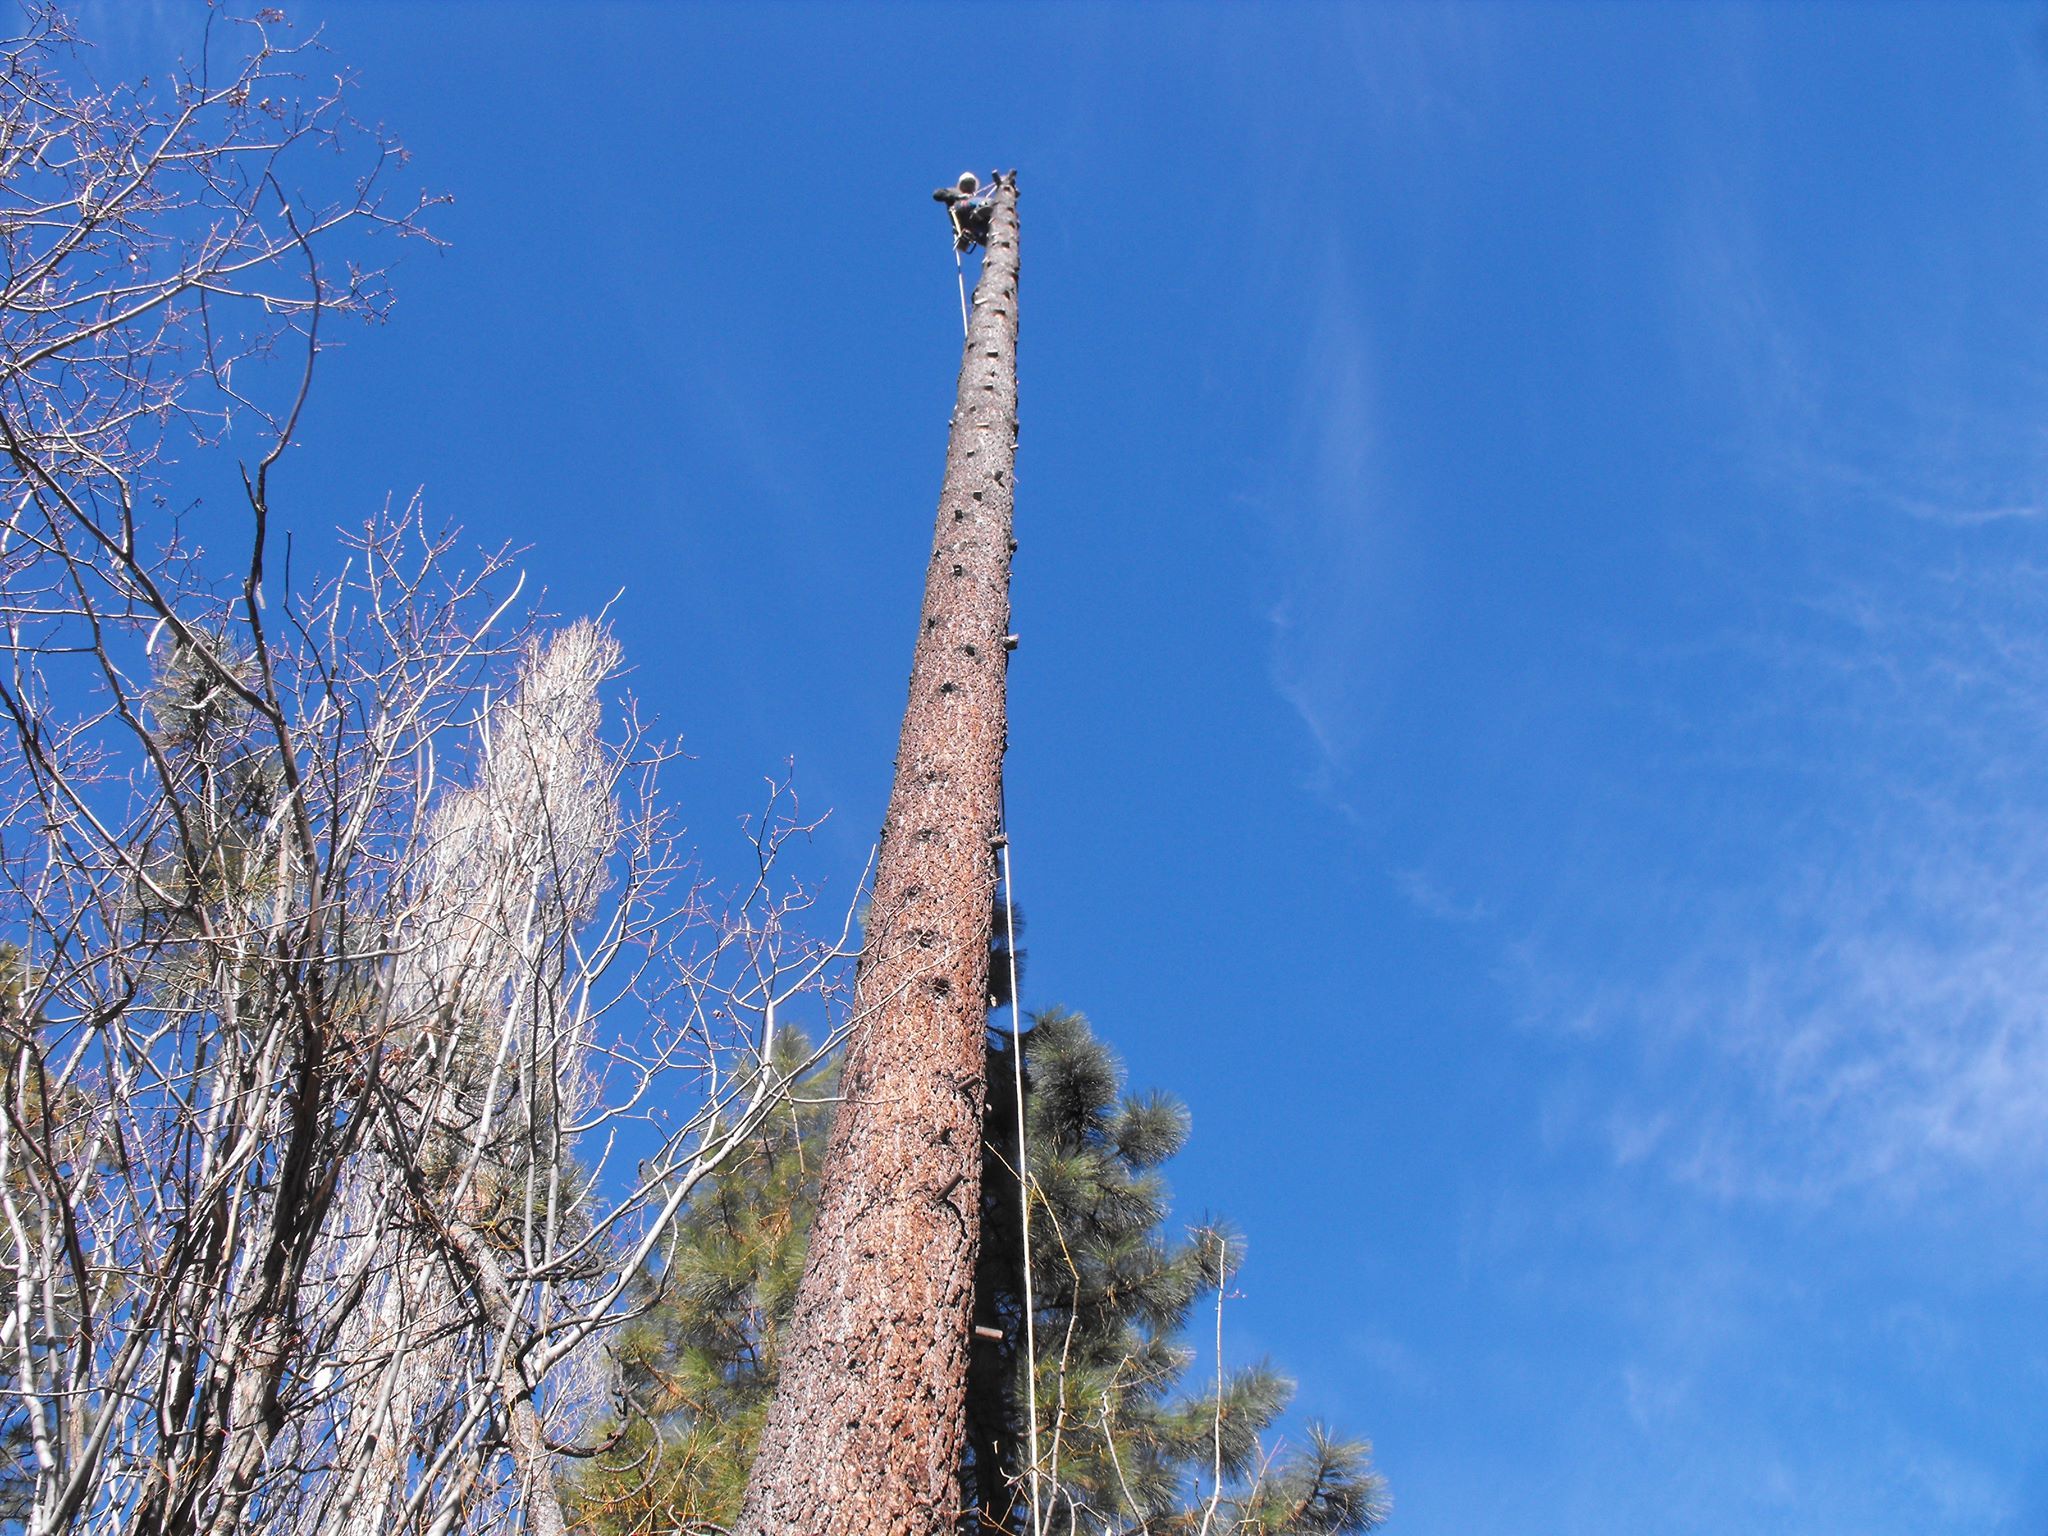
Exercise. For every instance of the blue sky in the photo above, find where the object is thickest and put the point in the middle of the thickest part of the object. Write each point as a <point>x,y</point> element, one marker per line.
<point>1531,714</point>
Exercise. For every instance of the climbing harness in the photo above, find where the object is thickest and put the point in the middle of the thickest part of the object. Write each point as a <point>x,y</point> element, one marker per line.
<point>968,202</point>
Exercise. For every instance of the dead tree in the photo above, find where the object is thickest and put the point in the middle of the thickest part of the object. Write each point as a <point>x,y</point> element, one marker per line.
<point>363,1021</point>
<point>866,1428</point>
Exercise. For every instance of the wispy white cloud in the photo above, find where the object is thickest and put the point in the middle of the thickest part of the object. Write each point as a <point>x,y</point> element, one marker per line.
<point>1883,1021</point>
<point>1424,77</point>
<point>1331,524</point>
<point>1427,893</point>
<point>1849,987</point>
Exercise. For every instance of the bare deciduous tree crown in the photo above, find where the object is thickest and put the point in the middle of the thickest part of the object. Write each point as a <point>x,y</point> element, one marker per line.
<point>365,1020</point>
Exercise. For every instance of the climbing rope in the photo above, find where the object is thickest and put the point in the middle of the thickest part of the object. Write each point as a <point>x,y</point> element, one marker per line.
<point>1023,1167</point>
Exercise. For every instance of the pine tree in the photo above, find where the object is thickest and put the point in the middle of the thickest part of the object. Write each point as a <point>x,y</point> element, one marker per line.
<point>697,1369</point>
<point>1126,1443</point>
<point>865,1429</point>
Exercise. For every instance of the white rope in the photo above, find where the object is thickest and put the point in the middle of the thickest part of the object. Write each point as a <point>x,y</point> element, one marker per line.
<point>960,271</point>
<point>1023,1176</point>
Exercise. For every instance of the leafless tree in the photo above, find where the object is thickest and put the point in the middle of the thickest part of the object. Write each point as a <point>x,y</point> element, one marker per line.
<point>365,1022</point>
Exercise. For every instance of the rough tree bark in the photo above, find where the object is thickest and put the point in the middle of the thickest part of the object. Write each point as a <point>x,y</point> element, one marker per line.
<point>866,1427</point>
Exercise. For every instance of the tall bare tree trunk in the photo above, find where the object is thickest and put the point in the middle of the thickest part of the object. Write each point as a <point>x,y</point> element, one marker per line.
<point>865,1431</point>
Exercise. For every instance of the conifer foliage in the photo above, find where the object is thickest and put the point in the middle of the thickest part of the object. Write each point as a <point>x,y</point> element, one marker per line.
<point>696,1367</point>
<point>1133,1436</point>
